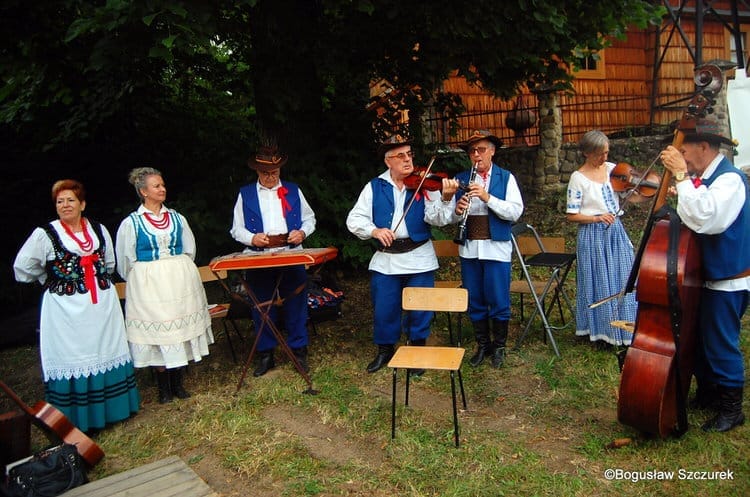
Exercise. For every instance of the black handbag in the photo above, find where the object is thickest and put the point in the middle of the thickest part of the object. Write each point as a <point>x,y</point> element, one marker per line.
<point>48,473</point>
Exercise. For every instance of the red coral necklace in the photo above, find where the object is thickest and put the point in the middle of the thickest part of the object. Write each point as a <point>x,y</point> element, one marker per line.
<point>160,225</point>
<point>87,244</point>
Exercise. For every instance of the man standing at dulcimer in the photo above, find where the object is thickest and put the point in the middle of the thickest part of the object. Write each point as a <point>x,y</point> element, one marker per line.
<point>713,201</point>
<point>273,215</point>
<point>399,220</point>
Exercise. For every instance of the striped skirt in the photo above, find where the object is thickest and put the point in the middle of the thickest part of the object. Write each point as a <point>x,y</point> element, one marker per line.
<point>604,260</point>
<point>92,402</point>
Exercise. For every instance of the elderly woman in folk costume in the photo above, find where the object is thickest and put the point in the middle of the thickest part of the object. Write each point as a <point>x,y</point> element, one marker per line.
<point>166,313</point>
<point>87,369</point>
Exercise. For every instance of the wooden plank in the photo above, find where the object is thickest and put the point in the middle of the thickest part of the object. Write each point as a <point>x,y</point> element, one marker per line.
<point>164,478</point>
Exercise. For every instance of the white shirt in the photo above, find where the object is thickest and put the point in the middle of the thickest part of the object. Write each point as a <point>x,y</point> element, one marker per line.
<point>509,209</point>
<point>711,210</point>
<point>274,222</point>
<point>360,223</point>
<point>126,240</point>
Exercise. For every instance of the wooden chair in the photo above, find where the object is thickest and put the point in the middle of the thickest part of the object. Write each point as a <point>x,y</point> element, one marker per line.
<point>222,310</point>
<point>424,357</point>
<point>447,253</point>
<point>546,256</point>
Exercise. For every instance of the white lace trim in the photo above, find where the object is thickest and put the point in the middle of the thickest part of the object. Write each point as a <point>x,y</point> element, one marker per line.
<point>53,372</point>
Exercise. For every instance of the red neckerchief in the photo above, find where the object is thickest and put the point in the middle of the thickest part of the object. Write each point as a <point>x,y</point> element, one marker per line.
<point>285,207</point>
<point>87,263</point>
<point>696,182</point>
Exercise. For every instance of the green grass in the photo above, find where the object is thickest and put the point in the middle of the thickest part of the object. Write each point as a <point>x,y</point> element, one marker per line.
<point>539,426</point>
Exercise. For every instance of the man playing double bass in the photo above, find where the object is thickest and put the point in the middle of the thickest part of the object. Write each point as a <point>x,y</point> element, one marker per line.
<point>716,206</point>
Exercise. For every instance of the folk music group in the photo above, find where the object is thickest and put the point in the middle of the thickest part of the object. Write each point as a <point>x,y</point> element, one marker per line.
<point>89,348</point>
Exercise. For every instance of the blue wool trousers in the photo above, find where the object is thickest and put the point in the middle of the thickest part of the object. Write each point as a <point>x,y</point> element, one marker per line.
<point>294,308</point>
<point>719,358</point>
<point>389,319</point>
<point>488,284</point>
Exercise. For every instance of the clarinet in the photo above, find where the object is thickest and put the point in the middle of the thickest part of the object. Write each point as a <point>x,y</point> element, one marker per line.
<point>461,235</point>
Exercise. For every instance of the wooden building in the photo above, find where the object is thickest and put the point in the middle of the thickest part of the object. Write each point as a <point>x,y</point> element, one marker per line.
<point>636,84</point>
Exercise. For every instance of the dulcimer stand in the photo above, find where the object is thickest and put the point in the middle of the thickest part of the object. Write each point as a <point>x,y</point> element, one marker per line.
<point>265,260</point>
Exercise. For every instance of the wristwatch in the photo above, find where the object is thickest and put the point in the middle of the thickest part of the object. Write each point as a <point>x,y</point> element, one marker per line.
<point>679,176</point>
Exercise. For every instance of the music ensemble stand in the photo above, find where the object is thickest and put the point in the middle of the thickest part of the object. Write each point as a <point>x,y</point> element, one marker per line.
<point>265,260</point>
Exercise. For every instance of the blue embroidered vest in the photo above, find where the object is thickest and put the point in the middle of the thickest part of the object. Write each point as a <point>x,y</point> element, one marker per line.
<point>499,228</point>
<point>727,254</point>
<point>383,208</point>
<point>146,246</point>
<point>252,214</point>
<point>64,272</point>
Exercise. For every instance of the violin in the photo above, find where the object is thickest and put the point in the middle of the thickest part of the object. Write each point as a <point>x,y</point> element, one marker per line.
<point>625,178</point>
<point>430,181</point>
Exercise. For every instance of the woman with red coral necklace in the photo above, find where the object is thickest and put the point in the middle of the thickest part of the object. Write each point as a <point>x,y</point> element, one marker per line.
<point>166,314</point>
<point>87,370</point>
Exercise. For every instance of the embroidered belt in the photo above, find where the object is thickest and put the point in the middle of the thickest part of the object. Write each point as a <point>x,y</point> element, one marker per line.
<point>275,241</point>
<point>478,227</point>
<point>402,245</point>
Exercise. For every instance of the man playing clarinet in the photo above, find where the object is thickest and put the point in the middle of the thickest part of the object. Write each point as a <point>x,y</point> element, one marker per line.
<point>491,204</point>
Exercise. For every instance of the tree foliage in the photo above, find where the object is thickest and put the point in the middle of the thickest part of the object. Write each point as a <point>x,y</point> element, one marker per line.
<point>90,89</point>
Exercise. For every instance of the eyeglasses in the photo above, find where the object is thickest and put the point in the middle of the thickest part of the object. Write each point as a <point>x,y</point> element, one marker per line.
<point>275,172</point>
<point>402,156</point>
<point>481,150</point>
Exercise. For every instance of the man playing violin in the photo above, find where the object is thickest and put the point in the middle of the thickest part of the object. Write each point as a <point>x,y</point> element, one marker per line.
<point>272,215</point>
<point>494,202</point>
<point>716,206</point>
<point>399,219</point>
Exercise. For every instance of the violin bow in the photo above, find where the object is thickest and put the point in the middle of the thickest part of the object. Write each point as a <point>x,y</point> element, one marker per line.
<point>416,192</point>
<point>637,183</point>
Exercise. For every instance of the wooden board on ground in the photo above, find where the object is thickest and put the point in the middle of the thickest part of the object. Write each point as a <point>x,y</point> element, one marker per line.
<point>169,477</point>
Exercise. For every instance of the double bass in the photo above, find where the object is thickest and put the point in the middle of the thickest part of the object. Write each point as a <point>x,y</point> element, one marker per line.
<point>658,365</point>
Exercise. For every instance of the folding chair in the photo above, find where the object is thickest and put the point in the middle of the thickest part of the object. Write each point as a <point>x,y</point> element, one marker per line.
<point>424,357</point>
<point>447,251</point>
<point>557,265</point>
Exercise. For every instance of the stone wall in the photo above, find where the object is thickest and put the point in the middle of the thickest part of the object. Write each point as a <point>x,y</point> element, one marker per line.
<point>540,173</point>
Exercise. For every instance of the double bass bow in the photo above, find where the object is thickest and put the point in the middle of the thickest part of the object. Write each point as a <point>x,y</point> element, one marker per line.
<point>657,368</point>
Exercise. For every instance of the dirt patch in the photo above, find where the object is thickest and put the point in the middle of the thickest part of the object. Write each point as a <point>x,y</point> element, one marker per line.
<point>324,441</point>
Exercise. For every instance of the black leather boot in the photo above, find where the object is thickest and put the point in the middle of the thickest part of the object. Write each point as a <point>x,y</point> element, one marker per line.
<point>500,332</point>
<point>730,410</point>
<point>301,355</point>
<point>385,352</point>
<point>706,396</point>
<point>484,348</point>
<point>417,343</point>
<point>165,390</point>
<point>265,363</point>
<point>175,383</point>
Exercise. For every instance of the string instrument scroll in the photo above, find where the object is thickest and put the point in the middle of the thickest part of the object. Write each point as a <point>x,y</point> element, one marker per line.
<point>657,367</point>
